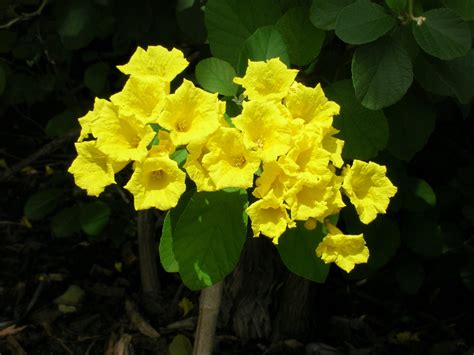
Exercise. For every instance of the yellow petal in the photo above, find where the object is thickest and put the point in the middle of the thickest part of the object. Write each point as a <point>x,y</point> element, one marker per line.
<point>194,168</point>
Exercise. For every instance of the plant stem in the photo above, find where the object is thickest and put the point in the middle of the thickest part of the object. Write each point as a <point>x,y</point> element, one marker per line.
<point>147,254</point>
<point>410,8</point>
<point>209,306</point>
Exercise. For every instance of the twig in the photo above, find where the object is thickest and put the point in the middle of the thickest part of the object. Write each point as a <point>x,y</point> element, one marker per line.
<point>24,16</point>
<point>209,306</point>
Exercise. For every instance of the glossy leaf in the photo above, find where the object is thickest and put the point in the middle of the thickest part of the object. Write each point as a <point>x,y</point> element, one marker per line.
<point>363,22</point>
<point>216,75</point>
<point>381,73</point>
<point>66,222</point>
<point>397,6</point>
<point>323,13</point>
<point>464,8</point>
<point>417,194</point>
<point>94,217</point>
<point>42,203</point>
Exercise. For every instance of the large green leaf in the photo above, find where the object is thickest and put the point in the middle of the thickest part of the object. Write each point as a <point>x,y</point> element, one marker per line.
<point>42,203</point>
<point>417,195</point>
<point>383,239</point>
<point>381,73</point>
<point>411,122</point>
<point>190,20</point>
<point>421,233</point>
<point>95,77</point>
<point>443,34</point>
<point>62,123</point>
<point>454,78</point>
<point>302,39</point>
<point>209,236</point>
<point>297,248</point>
<point>397,6</point>
<point>323,13</point>
<point>230,22</point>
<point>464,8</point>
<point>364,131</point>
<point>94,217</point>
<point>363,22</point>
<point>66,222</point>
<point>216,75</point>
<point>266,43</point>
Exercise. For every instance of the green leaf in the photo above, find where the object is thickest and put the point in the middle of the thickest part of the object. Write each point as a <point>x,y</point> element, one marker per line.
<point>42,203</point>
<point>190,20</point>
<point>363,22</point>
<point>209,236</point>
<point>404,38</point>
<point>397,6</point>
<point>62,124</point>
<point>266,43</point>
<point>410,275</point>
<point>216,75</point>
<point>3,80</point>
<point>95,77</point>
<point>180,345</point>
<point>381,73</point>
<point>383,240</point>
<point>464,8</point>
<point>66,222</point>
<point>454,78</point>
<point>411,122</point>
<point>297,248</point>
<point>422,234</point>
<point>230,22</point>
<point>443,34</point>
<point>418,196</point>
<point>76,23</point>
<point>179,156</point>
<point>302,39</point>
<point>94,217</point>
<point>365,132</point>
<point>323,13</point>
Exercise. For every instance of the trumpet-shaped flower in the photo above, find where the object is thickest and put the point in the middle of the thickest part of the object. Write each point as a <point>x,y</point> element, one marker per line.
<point>269,217</point>
<point>92,169</point>
<point>190,114</point>
<point>165,145</point>
<point>267,81</point>
<point>122,138</point>
<point>343,249</point>
<point>156,182</point>
<point>273,180</point>
<point>142,97</point>
<point>265,129</point>
<point>311,105</point>
<point>228,162</point>
<point>332,145</point>
<point>194,168</point>
<point>368,189</point>
<point>156,61</point>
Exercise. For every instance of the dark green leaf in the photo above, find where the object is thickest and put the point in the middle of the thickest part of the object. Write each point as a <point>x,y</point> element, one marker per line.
<point>76,26</point>
<point>216,75</point>
<point>383,239</point>
<point>411,122</point>
<point>381,73</point>
<point>179,156</point>
<point>180,345</point>
<point>421,233</point>
<point>190,19</point>
<point>297,248</point>
<point>418,196</point>
<point>66,222</point>
<point>323,13</point>
<point>443,34</point>
<point>62,123</point>
<point>42,203</point>
<point>454,78</point>
<point>397,6</point>
<point>302,39</point>
<point>404,38</point>
<point>410,275</point>
<point>464,8</point>
<point>95,77</point>
<point>363,22</point>
<point>94,217</point>
<point>209,236</point>
<point>365,132</point>
<point>230,22</point>
<point>266,43</point>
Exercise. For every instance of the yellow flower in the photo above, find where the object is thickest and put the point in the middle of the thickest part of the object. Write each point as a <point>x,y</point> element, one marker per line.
<point>228,162</point>
<point>315,196</point>
<point>86,125</point>
<point>92,169</point>
<point>156,182</point>
<point>311,105</point>
<point>190,114</point>
<point>142,97</point>
<point>194,168</point>
<point>122,138</point>
<point>272,180</point>
<point>269,217</point>
<point>156,61</point>
<point>265,129</point>
<point>344,250</point>
<point>164,146</point>
<point>332,145</point>
<point>268,80</point>
<point>368,188</point>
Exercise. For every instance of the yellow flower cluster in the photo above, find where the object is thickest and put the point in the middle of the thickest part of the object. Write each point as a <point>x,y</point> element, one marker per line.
<point>284,134</point>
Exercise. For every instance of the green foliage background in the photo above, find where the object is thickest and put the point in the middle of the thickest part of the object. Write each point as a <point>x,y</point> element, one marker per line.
<point>406,92</point>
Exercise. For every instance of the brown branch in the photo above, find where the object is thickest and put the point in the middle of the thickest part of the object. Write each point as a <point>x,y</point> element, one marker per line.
<point>24,16</point>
